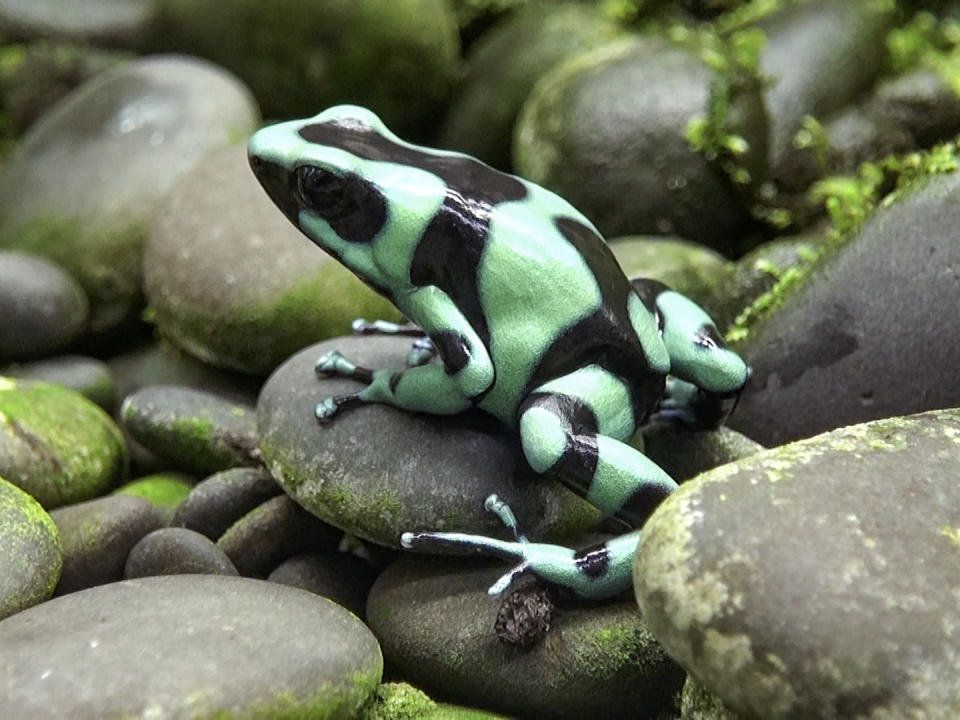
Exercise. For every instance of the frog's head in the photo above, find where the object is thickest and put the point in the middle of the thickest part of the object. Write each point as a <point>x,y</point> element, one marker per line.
<point>335,177</point>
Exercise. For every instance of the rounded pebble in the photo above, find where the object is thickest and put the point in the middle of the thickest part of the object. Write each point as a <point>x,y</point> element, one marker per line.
<point>220,500</point>
<point>188,646</point>
<point>339,576</point>
<point>176,551</point>
<point>86,375</point>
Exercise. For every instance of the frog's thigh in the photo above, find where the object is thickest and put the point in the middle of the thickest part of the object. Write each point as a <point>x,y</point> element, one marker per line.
<point>563,433</point>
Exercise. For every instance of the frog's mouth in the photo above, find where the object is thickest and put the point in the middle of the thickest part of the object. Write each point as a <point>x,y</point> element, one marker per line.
<point>277,180</point>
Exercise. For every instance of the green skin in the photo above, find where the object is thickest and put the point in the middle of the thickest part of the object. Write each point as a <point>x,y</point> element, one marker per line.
<point>531,316</point>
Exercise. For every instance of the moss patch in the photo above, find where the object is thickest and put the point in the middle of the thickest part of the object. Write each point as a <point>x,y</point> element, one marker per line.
<point>929,43</point>
<point>163,490</point>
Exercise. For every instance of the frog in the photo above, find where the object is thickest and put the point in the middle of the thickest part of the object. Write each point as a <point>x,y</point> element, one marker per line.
<point>517,307</point>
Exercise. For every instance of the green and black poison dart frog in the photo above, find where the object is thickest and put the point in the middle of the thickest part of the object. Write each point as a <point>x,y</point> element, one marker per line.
<point>532,318</point>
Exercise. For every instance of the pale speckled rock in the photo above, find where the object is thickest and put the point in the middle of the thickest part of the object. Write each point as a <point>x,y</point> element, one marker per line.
<point>234,283</point>
<point>617,115</point>
<point>218,501</point>
<point>193,430</point>
<point>866,335</point>
<point>86,375</point>
<point>97,536</point>
<point>176,551</point>
<point>30,556</point>
<point>377,471</point>
<point>187,646</point>
<point>57,445</point>
<point>818,579</point>
<point>272,532</point>
<point>435,622</point>
<point>698,703</point>
<point>82,183</point>
<point>42,307</point>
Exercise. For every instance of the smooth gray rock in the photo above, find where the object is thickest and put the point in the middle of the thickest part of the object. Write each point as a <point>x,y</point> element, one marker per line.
<point>82,183</point>
<point>818,579</point>
<point>176,551</point>
<point>922,103</point>
<point>435,622</point>
<point>234,283</point>
<point>377,471</point>
<point>41,306</point>
<point>220,500</point>
<point>97,536</point>
<point>618,116</point>
<point>86,375</point>
<point>187,646</point>
<point>193,430</point>
<point>30,556</point>
<point>111,22</point>
<point>340,576</point>
<point>272,532</point>
<point>684,454</point>
<point>869,334</point>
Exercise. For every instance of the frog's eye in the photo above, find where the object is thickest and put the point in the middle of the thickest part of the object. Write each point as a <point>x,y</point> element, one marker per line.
<point>319,189</point>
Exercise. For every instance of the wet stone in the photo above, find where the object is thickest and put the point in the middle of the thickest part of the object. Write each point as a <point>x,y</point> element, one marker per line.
<point>176,551</point>
<point>57,445</point>
<point>83,181</point>
<point>220,500</point>
<point>188,646</point>
<point>42,307</point>
<point>817,579</point>
<point>435,622</point>
<point>377,471</point>
<point>30,557</point>
<point>272,532</point>
<point>86,375</point>
<point>606,113</point>
<point>195,431</point>
<point>339,576</point>
<point>97,536</point>
<point>205,280</point>
<point>865,335</point>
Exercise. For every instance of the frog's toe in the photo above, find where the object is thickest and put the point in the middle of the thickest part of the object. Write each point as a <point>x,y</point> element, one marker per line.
<point>326,410</point>
<point>330,363</point>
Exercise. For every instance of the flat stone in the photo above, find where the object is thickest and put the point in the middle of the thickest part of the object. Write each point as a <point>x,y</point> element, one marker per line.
<point>176,551</point>
<point>57,445</point>
<point>30,556</point>
<point>220,500</point>
<point>42,307</point>
<point>817,579</point>
<point>435,622</point>
<point>377,471</point>
<point>193,430</point>
<point>187,646</point>
<point>97,536</point>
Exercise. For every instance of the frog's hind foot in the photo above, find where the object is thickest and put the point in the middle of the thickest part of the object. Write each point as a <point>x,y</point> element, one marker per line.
<point>360,326</point>
<point>333,363</point>
<point>327,408</point>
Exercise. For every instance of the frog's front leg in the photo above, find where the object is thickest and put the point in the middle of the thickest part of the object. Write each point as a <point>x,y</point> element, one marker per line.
<point>573,429</point>
<point>446,389</point>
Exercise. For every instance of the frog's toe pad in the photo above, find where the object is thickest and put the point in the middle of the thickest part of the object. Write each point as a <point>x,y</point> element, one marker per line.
<point>326,410</point>
<point>330,363</point>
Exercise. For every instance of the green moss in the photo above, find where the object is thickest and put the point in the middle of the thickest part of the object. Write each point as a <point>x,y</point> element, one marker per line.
<point>929,43</point>
<point>163,490</point>
<point>619,644</point>
<point>397,701</point>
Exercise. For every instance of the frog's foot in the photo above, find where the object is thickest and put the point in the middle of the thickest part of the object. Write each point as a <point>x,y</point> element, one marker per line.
<point>595,572</point>
<point>422,352</point>
<point>382,327</point>
<point>694,408</point>
<point>333,363</point>
<point>326,409</point>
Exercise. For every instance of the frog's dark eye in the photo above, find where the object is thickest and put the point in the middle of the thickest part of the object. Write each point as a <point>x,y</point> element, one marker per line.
<point>319,189</point>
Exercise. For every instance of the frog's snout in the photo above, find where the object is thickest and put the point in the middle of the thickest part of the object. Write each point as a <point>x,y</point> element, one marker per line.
<point>276,180</point>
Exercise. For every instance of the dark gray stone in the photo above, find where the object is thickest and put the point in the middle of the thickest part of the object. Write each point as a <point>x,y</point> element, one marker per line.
<point>42,307</point>
<point>272,532</point>
<point>97,536</point>
<point>30,557</point>
<point>88,376</point>
<point>234,283</point>
<point>377,471</point>
<point>921,103</point>
<point>195,431</point>
<point>187,646</point>
<point>176,551</point>
<point>618,116</point>
<point>339,576</point>
<point>869,333</point>
<point>819,56</point>
<point>219,501</point>
<point>435,622</point>
<point>684,454</point>
<point>83,182</point>
<point>818,579</point>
